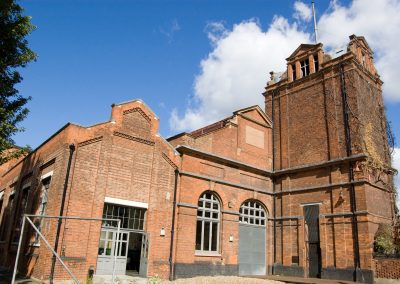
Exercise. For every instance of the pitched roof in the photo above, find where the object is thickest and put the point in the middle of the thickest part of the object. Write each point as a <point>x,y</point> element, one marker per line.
<point>303,46</point>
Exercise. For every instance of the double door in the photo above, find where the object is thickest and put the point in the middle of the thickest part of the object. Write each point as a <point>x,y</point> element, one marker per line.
<point>113,246</point>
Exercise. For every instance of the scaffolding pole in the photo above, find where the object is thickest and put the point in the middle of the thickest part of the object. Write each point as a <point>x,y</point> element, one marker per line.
<point>27,217</point>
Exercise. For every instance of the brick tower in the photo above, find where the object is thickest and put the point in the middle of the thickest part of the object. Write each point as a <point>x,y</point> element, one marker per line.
<point>333,178</point>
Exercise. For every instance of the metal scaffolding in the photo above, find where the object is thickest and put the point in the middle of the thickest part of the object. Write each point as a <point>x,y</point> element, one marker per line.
<point>27,217</point>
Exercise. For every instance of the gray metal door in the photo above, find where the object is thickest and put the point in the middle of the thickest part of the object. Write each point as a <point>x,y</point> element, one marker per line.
<point>252,250</point>
<point>144,253</point>
<point>108,247</point>
<point>311,217</point>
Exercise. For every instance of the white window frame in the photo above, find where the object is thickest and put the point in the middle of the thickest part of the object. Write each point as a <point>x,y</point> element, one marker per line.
<point>211,211</point>
<point>303,68</point>
<point>36,241</point>
<point>253,213</point>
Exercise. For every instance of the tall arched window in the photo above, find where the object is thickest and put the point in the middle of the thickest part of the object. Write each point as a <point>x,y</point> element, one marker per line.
<point>208,223</point>
<point>252,213</point>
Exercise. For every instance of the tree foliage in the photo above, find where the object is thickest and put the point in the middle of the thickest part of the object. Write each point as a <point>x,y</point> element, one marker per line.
<point>14,54</point>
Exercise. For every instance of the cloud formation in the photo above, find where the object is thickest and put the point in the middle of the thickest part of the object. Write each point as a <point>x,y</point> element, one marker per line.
<point>235,72</point>
<point>379,22</point>
<point>302,11</point>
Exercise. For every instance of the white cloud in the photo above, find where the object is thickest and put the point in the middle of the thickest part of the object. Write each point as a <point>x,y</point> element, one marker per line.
<point>235,72</point>
<point>216,31</point>
<point>396,165</point>
<point>302,11</point>
<point>379,22</point>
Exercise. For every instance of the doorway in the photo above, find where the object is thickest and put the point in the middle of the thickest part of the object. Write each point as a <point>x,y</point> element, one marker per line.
<point>129,248</point>
<point>130,251</point>
<point>311,218</point>
<point>136,263</point>
<point>252,249</point>
<point>111,246</point>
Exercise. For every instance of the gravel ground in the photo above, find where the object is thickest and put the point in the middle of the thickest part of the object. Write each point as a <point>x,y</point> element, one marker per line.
<point>223,280</point>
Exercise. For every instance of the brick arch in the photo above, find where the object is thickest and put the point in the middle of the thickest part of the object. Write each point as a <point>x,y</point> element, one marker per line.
<point>259,202</point>
<point>216,194</point>
<point>262,205</point>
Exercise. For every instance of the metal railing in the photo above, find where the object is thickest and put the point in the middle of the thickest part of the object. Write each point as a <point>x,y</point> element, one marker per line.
<point>27,217</point>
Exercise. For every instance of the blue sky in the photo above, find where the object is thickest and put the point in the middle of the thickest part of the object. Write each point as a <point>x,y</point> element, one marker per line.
<point>95,53</point>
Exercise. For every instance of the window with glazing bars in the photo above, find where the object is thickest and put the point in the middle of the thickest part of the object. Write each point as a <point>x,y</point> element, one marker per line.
<point>252,213</point>
<point>44,196</point>
<point>208,221</point>
<point>131,217</point>
<point>305,68</point>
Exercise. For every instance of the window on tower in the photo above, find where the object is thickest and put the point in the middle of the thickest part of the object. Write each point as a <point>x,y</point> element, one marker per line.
<point>293,72</point>
<point>304,68</point>
<point>316,64</point>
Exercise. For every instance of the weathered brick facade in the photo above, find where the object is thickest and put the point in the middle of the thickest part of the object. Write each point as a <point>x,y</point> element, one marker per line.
<point>330,148</point>
<point>320,144</point>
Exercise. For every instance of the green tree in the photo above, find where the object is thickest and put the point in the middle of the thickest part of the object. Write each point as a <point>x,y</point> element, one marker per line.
<point>14,54</point>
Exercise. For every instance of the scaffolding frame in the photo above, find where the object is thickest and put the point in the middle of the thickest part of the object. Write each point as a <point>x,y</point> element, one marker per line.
<point>27,217</point>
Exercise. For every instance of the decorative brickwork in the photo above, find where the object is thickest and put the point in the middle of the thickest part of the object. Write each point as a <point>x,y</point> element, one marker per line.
<point>133,138</point>
<point>321,143</point>
<point>387,268</point>
<point>139,110</point>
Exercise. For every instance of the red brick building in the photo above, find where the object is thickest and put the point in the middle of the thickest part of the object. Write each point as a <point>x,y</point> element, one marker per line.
<point>299,189</point>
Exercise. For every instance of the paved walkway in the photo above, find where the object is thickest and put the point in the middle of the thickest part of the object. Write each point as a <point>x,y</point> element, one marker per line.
<point>120,279</point>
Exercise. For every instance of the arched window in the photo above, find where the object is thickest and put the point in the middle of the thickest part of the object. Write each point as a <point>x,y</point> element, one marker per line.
<point>207,229</point>
<point>252,213</point>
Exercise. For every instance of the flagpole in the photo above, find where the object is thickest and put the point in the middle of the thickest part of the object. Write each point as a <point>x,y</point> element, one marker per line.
<point>315,22</point>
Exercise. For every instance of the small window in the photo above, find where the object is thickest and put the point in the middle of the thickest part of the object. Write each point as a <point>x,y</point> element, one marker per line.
<point>316,63</point>
<point>305,68</point>
<point>22,210</point>
<point>208,223</point>
<point>363,59</point>
<point>293,72</point>
<point>7,216</point>
<point>44,196</point>
<point>252,213</point>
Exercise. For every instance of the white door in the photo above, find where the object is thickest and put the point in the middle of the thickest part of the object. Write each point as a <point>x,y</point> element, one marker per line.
<point>144,253</point>
<point>109,247</point>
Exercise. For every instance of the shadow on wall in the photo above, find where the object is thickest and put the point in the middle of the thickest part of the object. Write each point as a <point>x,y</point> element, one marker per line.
<point>25,192</point>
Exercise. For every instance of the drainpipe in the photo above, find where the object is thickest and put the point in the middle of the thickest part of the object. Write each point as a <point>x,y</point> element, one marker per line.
<point>53,262</point>
<point>171,248</point>
<point>273,177</point>
<point>351,173</point>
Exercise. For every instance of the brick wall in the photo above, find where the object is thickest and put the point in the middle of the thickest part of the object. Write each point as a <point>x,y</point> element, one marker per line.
<point>387,268</point>
<point>309,131</point>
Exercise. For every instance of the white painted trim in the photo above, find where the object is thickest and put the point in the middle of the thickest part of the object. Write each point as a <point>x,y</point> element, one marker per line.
<point>206,253</point>
<point>126,202</point>
<point>311,203</point>
<point>49,174</point>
